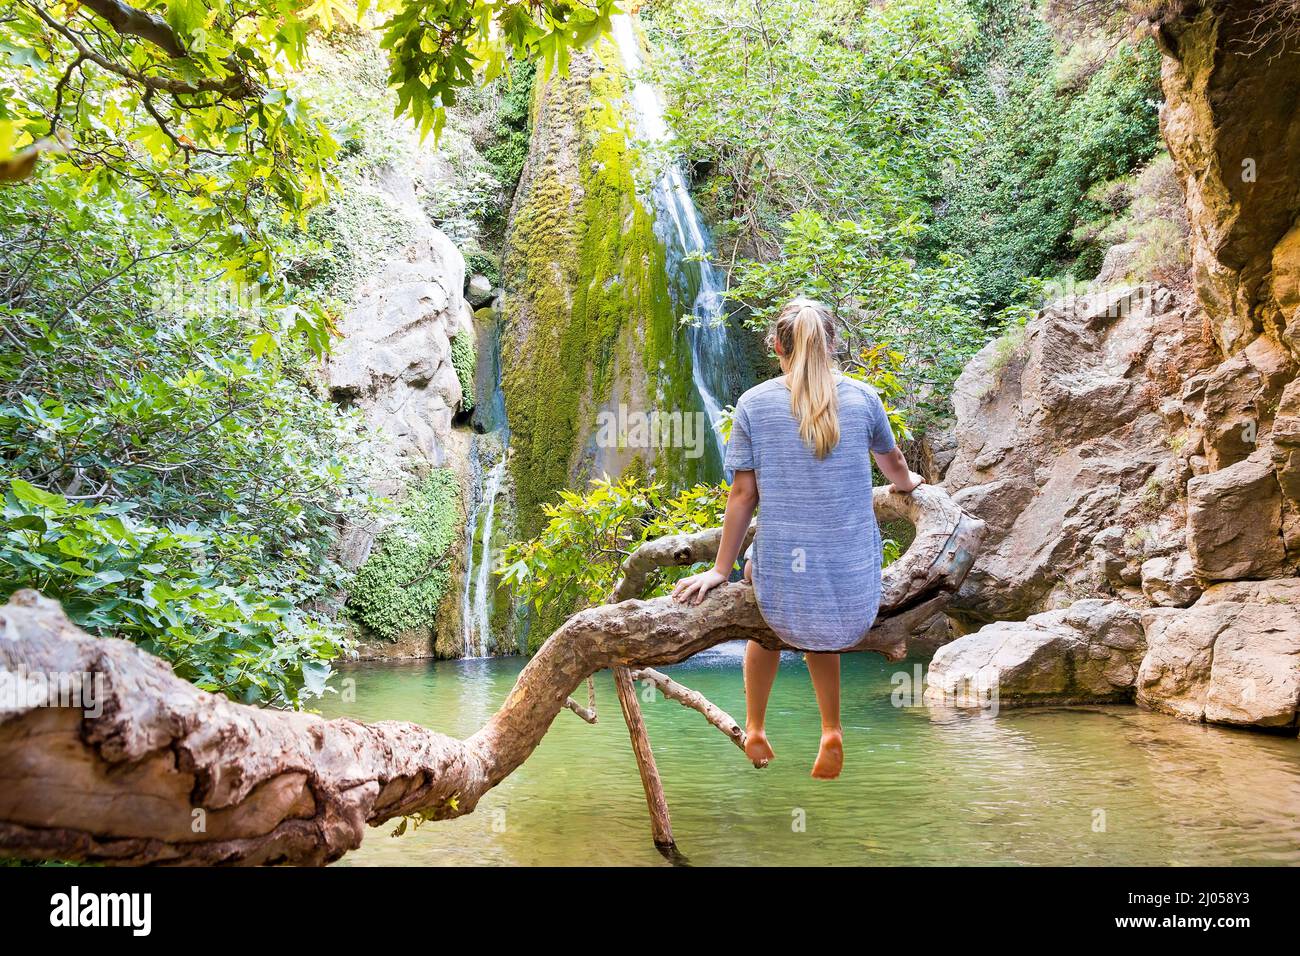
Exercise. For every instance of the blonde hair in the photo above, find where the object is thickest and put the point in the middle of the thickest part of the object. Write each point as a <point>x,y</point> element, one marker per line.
<point>806,333</point>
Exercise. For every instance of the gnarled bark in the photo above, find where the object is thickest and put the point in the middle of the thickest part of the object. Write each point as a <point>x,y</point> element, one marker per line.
<point>167,773</point>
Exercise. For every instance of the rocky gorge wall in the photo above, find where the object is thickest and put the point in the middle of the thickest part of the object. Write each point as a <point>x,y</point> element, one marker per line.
<point>1136,451</point>
<point>401,359</point>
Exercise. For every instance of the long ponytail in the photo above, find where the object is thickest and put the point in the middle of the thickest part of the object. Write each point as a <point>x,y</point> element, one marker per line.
<point>806,332</point>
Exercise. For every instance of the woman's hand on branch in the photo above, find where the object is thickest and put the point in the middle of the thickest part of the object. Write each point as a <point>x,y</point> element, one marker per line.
<point>913,482</point>
<point>691,590</point>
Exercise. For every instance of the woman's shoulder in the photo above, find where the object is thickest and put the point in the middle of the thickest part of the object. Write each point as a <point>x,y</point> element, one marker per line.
<point>755,396</point>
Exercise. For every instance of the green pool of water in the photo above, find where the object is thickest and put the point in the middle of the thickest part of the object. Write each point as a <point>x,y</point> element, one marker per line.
<point>1093,785</point>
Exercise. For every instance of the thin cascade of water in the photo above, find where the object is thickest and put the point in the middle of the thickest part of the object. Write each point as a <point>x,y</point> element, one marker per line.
<point>488,453</point>
<point>716,365</point>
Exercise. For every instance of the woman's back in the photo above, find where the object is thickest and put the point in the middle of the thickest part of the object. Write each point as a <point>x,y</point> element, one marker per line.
<point>817,554</point>
<point>800,451</point>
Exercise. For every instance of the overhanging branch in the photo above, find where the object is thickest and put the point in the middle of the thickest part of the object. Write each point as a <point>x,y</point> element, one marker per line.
<point>236,84</point>
<point>128,21</point>
<point>161,772</point>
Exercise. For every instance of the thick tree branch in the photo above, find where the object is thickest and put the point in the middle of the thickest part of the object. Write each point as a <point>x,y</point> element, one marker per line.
<point>155,770</point>
<point>129,21</point>
<point>236,84</point>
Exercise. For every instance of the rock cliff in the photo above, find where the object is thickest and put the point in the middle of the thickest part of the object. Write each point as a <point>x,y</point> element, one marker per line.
<point>1139,449</point>
<point>590,322</point>
<point>396,361</point>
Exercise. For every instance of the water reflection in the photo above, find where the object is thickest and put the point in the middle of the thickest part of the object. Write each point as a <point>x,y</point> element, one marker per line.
<point>1091,785</point>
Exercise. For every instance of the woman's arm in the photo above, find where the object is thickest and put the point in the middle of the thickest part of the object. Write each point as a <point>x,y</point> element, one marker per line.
<point>741,502</point>
<point>893,466</point>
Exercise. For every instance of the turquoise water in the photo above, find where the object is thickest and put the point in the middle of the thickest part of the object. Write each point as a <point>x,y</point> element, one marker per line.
<point>1084,785</point>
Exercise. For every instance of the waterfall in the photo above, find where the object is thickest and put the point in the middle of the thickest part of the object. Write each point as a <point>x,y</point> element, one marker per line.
<point>488,450</point>
<point>478,580</point>
<point>717,367</point>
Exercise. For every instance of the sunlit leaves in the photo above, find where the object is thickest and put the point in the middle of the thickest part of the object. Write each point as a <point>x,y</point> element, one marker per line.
<point>436,46</point>
<point>843,107</point>
<point>575,561</point>
<point>143,386</point>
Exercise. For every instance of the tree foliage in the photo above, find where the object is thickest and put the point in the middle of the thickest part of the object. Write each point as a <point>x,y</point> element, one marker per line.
<point>883,302</point>
<point>172,469</point>
<point>575,560</point>
<point>188,594</point>
<point>845,108</point>
<point>143,390</point>
<point>1052,125</point>
<point>917,163</point>
<point>193,101</point>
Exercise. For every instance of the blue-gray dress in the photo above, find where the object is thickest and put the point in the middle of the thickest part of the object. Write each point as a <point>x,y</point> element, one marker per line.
<point>817,552</point>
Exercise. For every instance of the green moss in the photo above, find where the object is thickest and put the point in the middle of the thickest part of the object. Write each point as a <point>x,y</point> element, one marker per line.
<point>400,586</point>
<point>463,360</point>
<point>478,262</point>
<point>591,276</point>
<point>345,240</point>
<point>510,132</point>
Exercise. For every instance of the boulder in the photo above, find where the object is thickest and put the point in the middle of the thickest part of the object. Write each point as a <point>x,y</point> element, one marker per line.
<point>1232,658</point>
<point>1118,263</point>
<point>1234,521</point>
<point>1272,591</point>
<point>479,290</point>
<point>1062,447</point>
<point>1088,652</point>
<point>1239,399</point>
<point>1255,675</point>
<point>1174,673</point>
<point>1286,442</point>
<point>1170,580</point>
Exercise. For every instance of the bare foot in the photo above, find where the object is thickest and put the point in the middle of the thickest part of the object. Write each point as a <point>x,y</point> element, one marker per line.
<point>830,758</point>
<point>757,749</point>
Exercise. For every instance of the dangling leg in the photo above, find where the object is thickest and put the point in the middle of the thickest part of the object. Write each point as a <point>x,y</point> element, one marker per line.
<point>825,672</point>
<point>760,675</point>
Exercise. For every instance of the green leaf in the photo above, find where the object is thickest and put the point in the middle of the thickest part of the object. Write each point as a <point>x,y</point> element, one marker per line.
<point>29,493</point>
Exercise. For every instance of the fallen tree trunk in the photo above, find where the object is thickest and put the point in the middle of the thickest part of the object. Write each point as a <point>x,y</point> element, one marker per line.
<point>154,770</point>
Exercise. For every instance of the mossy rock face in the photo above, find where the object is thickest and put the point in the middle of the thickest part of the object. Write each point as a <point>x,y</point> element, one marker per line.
<point>590,322</point>
<point>463,360</point>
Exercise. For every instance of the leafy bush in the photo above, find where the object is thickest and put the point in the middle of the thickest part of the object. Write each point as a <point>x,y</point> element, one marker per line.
<point>846,108</point>
<point>1047,135</point>
<point>165,588</point>
<point>512,130</point>
<point>402,583</point>
<point>142,384</point>
<point>883,302</point>
<point>574,561</point>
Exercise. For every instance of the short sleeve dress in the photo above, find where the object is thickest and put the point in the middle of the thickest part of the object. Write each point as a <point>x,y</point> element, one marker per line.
<point>817,554</point>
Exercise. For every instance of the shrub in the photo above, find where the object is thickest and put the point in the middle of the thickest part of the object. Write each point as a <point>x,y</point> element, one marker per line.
<point>402,583</point>
<point>167,589</point>
<point>463,360</point>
